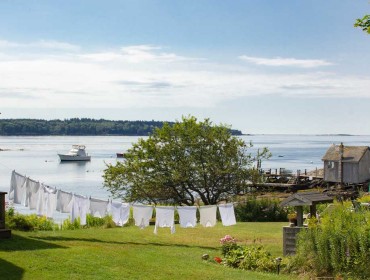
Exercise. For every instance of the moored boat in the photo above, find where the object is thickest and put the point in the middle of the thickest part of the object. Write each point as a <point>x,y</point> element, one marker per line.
<point>77,153</point>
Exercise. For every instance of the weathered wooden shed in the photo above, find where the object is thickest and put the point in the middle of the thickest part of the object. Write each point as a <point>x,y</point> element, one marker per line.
<point>347,164</point>
<point>298,200</point>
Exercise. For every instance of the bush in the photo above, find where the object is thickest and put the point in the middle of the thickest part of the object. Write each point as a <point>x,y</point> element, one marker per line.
<point>260,210</point>
<point>32,222</point>
<point>248,257</point>
<point>339,245</point>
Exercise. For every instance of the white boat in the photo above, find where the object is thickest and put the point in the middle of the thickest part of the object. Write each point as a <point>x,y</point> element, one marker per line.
<point>77,153</point>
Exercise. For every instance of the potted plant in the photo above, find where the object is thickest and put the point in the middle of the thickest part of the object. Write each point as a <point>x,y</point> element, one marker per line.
<point>292,217</point>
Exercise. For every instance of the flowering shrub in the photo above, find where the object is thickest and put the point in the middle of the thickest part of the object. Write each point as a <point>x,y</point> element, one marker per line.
<point>251,257</point>
<point>228,243</point>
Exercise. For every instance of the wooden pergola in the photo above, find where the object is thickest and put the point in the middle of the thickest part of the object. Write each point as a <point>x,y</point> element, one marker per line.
<point>298,200</point>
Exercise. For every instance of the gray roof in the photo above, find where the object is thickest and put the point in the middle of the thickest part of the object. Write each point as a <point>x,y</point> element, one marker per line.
<point>350,153</point>
<point>306,198</point>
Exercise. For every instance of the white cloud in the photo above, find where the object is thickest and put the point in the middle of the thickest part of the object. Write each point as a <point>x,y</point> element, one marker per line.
<point>145,76</point>
<point>279,61</point>
<point>41,44</point>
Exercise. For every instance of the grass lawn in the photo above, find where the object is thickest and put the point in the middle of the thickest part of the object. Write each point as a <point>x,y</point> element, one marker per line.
<point>131,253</point>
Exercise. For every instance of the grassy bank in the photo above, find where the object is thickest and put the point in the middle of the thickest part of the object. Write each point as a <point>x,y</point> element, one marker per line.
<point>131,253</point>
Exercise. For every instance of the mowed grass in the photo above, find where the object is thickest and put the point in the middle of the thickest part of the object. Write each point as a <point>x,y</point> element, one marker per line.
<point>131,253</point>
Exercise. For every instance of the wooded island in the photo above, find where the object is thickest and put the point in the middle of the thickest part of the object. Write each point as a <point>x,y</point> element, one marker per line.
<point>77,126</point>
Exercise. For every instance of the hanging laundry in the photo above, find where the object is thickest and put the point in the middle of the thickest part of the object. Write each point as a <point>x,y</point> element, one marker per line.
<point>165,217</point>
<point>32,193</point>
<point>227,214</point>
<point>142,214</point>
<point>120,212</point>
<point>47,201</point>
<point>80,208</point>
<point>208,215</point>
<point>187,215</point>
<point>17,187</point>
<point>64,202</point>
<point>98,207</point>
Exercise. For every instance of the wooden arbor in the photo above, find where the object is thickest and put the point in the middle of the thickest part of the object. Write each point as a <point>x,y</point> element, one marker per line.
<point>298,200</point>
<point>4,233</point>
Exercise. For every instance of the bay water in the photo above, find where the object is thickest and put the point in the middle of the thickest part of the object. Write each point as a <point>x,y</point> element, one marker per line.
<point>36,157</point>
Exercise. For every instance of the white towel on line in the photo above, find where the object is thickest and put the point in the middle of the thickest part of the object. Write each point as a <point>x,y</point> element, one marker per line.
<point>17,187</point>
<point>187,215</point>
<point>208,215</point>
<point>120,212</point>
<point>165,217</point>
<point>227,214</point>
<point>80,208</point>
<point>142,214</point>
<point>64,202</point>
<point>98,207</point>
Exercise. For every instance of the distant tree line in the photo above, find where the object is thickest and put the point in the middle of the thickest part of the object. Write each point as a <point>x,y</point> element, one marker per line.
<point>77,126</point>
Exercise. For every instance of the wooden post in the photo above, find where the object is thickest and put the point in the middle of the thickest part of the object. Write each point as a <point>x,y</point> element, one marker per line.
<point>4,233</point>
<point>299,210</point>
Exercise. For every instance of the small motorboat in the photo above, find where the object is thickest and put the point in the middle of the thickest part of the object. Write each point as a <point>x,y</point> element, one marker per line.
<point>77,153</point>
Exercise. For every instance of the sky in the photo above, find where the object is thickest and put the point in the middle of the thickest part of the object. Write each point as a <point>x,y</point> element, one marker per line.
<point>263,67</point>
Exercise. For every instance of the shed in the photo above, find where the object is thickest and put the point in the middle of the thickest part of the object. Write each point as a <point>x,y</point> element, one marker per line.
<point>298,200</point>
<point>347,164</point>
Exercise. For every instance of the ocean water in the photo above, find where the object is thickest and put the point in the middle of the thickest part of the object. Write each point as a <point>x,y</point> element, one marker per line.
<point>37,157</point>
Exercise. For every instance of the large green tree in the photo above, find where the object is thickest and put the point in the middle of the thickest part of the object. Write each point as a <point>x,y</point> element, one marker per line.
<point>183,162</point>
<point>363,23</point>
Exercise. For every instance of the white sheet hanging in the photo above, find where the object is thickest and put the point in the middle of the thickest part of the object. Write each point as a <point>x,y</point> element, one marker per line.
<point>187,215</point>
<point>32,193</point>
<point>208,215</point>
<point>64,202</point>
<point>17,187</point>
<point>80,208</point>
<point>98,207</point>
<point>142,214</point>
<point>47,201</point>
<point>227,214</point>
<point>120,212</point>
<point>165,217</point>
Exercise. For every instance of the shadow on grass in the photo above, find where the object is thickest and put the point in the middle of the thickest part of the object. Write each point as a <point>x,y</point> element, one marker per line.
<point>10,271</point>
<point>20,243</point>
<point>60,238</point>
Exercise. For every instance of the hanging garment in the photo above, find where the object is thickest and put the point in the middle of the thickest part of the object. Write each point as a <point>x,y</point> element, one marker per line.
<point>64,202</point>
<point>187,215</point>
<point>17,187</point>
<point>47,201</point>
<point>165,217</point>
<point>142,214</point>
<point>80,208</point>
<point>32,193</point>
<point>208,215</point>
<point>227,214</point>
<point>98,207</point>
<point>120,212</point>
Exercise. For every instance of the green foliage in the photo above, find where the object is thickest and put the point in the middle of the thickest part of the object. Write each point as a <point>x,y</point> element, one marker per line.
<point>248,257</point>
<point>84,126</point>
<point>32,222</point>
<point>363,23</point>
<point>339,245</point>
<point>91,222</point>
<point>260,210</point>
<point>182,162</point>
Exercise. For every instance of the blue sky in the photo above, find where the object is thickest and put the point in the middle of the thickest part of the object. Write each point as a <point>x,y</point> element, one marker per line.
<point>266,66</point>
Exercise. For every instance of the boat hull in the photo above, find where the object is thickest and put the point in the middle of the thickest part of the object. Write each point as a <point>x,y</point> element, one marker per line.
<point>73,158</point>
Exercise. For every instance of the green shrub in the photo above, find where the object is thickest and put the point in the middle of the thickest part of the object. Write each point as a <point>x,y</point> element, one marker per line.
<point>339,245</point>
<point>260,210</point>
<point>31,222</point>
<point>248,257</point>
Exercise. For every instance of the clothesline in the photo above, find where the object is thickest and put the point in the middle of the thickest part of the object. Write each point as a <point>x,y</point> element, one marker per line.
<point>45,200</point>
